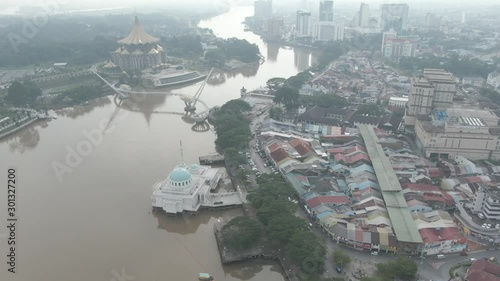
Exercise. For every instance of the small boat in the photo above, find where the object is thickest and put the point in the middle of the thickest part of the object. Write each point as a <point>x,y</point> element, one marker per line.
<point>205,277</point>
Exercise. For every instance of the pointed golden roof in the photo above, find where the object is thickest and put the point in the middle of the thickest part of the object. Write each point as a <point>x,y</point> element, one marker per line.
<point>138,36</point>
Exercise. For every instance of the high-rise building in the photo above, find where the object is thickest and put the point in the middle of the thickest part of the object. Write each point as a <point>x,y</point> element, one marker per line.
<point>432,21</point>
<point>303,25</point>
<point>487,201</point>
<point>329,31</point>
<point>394,46</point>
<point>394,16</point>
<point>420,99</point>
<point>445,87</point>
<point>274,28</point>
<point>434,90</point>
<point>138,50</point>
<point>326,10</point>
<point>364,15</point>
<point>263,9</point>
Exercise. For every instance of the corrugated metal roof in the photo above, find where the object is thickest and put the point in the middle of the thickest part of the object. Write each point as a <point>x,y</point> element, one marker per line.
<point>402,221</point>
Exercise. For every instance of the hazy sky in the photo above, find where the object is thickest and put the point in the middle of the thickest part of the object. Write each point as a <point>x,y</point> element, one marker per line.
<point>85,4</point>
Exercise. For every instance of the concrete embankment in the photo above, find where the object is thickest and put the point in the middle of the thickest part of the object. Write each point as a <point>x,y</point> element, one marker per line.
<point>16,129</point>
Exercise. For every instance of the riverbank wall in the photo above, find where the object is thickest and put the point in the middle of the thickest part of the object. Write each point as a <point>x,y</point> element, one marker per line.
<point>16,129</point>
<point>229,255</point>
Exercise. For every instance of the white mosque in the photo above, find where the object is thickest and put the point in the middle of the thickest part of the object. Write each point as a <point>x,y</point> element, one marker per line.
<point>188,187</point>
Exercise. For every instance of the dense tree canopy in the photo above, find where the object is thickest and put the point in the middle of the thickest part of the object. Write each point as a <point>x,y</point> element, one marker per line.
<point>306,250</point>
<point>287,96</point>
<point>275,83</point>
<point>20,94</point>
<point>458,66</point>
<point>233,131</point>
<point>79,94</point>
<point>329,53</point>
<point>241,50</point>
<point>215,57</point>
<point>275,112</point>
<point>298,80</point>
<point>241,232</point>
<point>185,44</point>
<point>401,268</point>
<point>340,258</point>
<point>491,94</point>
<point>282,226</point>
<point>287,230</point>
<point>370,109</point>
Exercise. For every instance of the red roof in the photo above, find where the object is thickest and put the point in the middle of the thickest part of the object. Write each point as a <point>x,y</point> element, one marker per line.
<point>273,147</point>
<point>278,155</point>
<point>483,270</point>
<point>430,235</point>
<point>421,187</point>
<point>301,146</point>
<point>434,198</point>
<point>327,200</point>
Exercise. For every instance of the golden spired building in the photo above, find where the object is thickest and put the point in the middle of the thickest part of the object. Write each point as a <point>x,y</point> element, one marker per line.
<point>138,50</point>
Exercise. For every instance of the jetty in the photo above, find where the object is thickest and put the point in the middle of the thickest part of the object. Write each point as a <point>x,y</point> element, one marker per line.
<point>211,159</point>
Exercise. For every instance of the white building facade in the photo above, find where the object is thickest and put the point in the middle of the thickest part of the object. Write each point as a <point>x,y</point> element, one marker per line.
<point>303,24</point>
<point>186,188</point>
<point>329,31</point>
<point>487,201</point>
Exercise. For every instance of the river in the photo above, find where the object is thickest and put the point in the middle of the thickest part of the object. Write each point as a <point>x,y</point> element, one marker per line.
<point>93,220</point>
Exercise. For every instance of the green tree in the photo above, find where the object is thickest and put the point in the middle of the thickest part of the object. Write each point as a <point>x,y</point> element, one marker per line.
<point>233,158</point>
<point>287,96</point>
<point>275,112</point>
<point>370,109</point>
<point>275,83</point>
<point>308,251</point>
<point>242,232</point>
<point>215,57</point>
<point>20,94</point>
<point>402,268</point>
<point>298,80</point>
<point>493,95</point>
<point>233,131</point>
<point>341,258</point>
<point>241,50</point>
<point>281,227</point>
<point>271,208</point>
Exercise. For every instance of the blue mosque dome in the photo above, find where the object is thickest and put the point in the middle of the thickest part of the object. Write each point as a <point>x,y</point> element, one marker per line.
<point>180,175</point>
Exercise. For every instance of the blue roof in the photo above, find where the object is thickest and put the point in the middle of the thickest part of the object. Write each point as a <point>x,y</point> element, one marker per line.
<point>180,175</point>
<point>323,214</point>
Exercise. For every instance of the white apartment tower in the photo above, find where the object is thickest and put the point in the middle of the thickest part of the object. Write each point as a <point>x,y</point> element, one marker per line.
<point>329,31</point>
<point>487,201</point>
<point>263,9</point>
<point>326,10</point>
<point>364,15</point>
<point>394,16</point>
<point>303,24</point>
